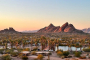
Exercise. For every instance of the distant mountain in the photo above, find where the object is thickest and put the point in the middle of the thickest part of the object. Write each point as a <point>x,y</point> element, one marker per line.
<point>33,31</point>
<point>86,30</point>
<point>64,28</point>
<point>10,30</point>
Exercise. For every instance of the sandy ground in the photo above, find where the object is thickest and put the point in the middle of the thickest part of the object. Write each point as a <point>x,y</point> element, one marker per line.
<point>51,58</point>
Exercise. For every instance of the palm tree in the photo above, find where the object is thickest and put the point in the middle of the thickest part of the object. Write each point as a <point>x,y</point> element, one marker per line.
<point>76,45</point>
<point>80,47</point>
<point>31,44</point>
<point>43,42</point>
<point>23,43</point>
<point>11,43</point>
<point>16,43</point>
<point>5,45</point>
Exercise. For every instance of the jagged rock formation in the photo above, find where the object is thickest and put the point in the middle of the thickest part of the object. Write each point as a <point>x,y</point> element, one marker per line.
<point>57,28</point>
<point>50,28</point>
<point>10,30</point>
<point>63,27</point>
<point>69,28</point>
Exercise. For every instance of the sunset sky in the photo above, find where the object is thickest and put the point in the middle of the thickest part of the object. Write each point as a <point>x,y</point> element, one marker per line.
<point>35,14</point>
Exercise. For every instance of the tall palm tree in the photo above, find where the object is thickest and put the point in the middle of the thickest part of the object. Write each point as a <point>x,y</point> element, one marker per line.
<point>5,45</point>
<point>76,45</point>
<point>11,43</point>
<point>43,42</point>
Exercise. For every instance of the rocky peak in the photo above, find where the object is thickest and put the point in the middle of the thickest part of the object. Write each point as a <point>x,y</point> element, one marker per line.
<point>63,27</point>
<point>69,28</point>
<point>6,29</point>
<point>57,28</point>
<point>11,29</point>
<point>51,25</point>
<point>70,25</point>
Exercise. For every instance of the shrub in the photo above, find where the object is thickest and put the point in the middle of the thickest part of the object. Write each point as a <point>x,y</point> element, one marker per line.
<point>33,52</point>
<point>19,49</point>
<point>40,56</point>
<point>26,49</point>
<point>59,53</point>
<point>20,55</point>
<point>77,54</point>
<point>59,50</point>
<point>65,53</point>
<point>6,57</point>
<point>1,51</point>
<point>24,57</point>
<point>8,51</point>
<point>86,49</point>
<point>14,54</point>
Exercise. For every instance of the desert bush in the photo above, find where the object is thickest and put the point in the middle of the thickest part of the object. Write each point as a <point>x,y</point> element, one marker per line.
<point>65,53</point>
<point>8,51</point>
<point>59,53</point>
<point>24,58</point>
<point>59,50</point>
<point>14,54</point>
<point>1,51</point>
<point>86,49</point>
<point>6,57</point>
<point>26,49</point>
<point>33,52</point>
<point>19,49</point>
<point>40,57</point>
<point>20,55</point>
<point>77,54</point>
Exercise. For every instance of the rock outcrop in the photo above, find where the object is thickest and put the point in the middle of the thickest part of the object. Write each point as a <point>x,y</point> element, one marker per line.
<point>10,30</point>
<point>69,28</point>
<point>57,29</point>
<point>50,28</point>
<point>63,27</point>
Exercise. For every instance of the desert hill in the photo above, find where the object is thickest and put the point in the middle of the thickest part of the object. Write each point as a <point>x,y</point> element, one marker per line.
<point>69,28</point>
<point>10,30</point>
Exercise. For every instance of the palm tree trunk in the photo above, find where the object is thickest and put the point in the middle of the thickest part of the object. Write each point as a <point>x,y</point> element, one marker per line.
<point>5,45</point>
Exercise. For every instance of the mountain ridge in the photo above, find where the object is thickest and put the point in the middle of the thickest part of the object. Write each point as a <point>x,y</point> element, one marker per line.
<point>86,30</point>
<point>10,30</point>
<point>68,28</point>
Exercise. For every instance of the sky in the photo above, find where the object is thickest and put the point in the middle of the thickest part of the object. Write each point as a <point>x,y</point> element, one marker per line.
<point>36,14</point>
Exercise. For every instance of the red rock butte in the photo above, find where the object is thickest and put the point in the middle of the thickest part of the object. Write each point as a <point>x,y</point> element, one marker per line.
<point>69,28</point>
<point>10,30</point>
